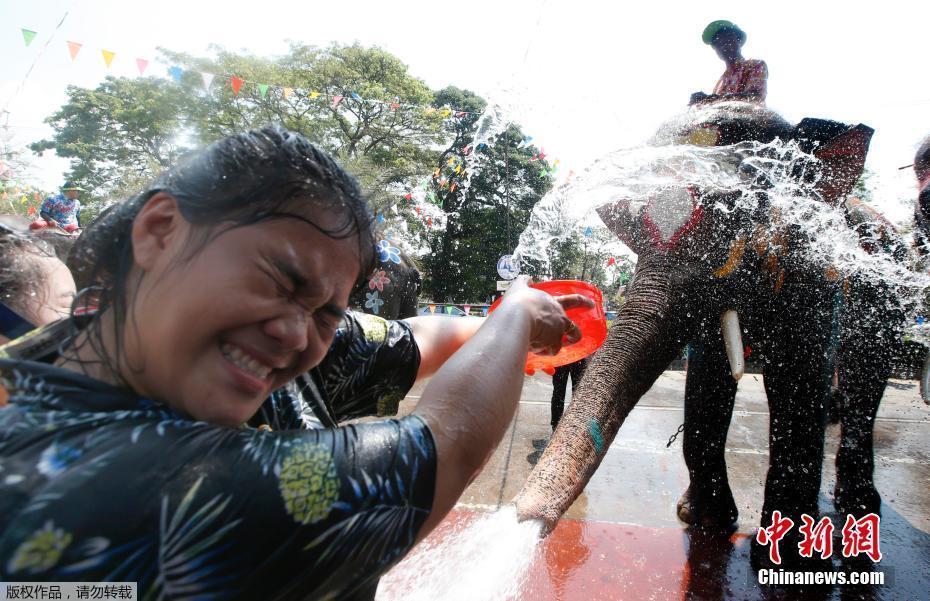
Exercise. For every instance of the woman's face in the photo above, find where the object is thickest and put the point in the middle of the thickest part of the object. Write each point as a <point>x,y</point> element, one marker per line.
<point>213,334</point>
<point>52,300</point>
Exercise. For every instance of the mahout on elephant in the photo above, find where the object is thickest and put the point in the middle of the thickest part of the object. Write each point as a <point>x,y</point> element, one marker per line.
<point>722,263</point>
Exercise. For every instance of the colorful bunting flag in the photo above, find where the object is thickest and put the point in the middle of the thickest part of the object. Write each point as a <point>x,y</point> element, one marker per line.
<point>336,101</point>
<point>28,36</point>
<point>236,83</point>
<point>142,63</point>
<point>108,57</point>
<point>467,308</point>
<point>175,72</point>
<point>287,92</point>
<point>73,49</point>
<point>355,96</point>
<point>314,94</point>
<point>395,106</point>
<point>611,261</point>
<point>432,308</point>
<point>31,211</point>
<point>408,196</point>
<point>263,89</point>
<point>380,218</point>
<point>445,113</point>
<point>587,231</point>
<point>207,79</point>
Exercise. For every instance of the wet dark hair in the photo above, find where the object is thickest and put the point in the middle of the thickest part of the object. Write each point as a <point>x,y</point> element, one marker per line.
<point>263,174</point>
<point>21,275</point>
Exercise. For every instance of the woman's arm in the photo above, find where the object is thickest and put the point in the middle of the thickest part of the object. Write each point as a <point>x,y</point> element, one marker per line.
<point>471,400</point>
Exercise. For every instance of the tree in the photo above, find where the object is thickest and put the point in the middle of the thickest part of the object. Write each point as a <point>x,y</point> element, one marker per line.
<point>485,217</point>
<point>378,129</point>
<point>125,131</point>
<point>119,135</point>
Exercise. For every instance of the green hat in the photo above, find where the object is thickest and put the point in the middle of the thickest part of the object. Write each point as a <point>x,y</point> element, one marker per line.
<point>716,27</point>
<point>71,186</point>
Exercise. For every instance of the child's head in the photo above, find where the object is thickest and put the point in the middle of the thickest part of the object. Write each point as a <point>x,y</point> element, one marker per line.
<point>33,281</point>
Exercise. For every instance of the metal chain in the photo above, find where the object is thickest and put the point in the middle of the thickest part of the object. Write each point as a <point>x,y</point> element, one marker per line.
<point>672,438</point>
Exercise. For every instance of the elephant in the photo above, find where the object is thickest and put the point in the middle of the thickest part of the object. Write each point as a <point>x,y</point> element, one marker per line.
<point>870,322</point>
<point>712,265</point>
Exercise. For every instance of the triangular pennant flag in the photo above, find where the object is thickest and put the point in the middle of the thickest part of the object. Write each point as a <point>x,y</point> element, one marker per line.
<point>395,106</point>
<point>108,57</point>
<point>28,36</point>
<point>336,101</point>
<point>611,261</point>
<point>587,231</point>
<point>314,94</point>
<point>74,48</point>
<point>380,218</point>
<point>175,72</point>
<point>141,63</point>
<point>263,89</point>
<point>207,79</point>
<point>356,96</point>
<point>432,308</point>
<point>408,195</point>
<point>394,209</point>
<point>450,309</point>
<point>288,92</point>
<point>236,84</point>
<point>445,113</point>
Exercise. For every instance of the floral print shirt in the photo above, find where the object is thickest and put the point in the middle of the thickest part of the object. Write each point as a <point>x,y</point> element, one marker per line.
<point>62,209</point>
<point>98,484</point>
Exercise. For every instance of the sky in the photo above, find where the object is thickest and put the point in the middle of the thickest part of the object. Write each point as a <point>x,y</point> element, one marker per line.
<point>582,77</point>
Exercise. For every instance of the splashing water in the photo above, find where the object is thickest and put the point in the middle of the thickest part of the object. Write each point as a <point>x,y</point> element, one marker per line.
<point>643,173</point>
<point>486,559</point>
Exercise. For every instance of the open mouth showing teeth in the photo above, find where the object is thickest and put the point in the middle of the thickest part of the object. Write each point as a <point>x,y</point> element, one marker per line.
<point>244,361</point>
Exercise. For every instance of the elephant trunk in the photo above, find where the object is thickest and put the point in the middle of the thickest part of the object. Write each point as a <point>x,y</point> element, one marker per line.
<point>647,335</point>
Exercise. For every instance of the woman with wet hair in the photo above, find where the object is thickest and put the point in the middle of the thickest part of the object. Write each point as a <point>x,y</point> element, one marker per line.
<point>216,291</point>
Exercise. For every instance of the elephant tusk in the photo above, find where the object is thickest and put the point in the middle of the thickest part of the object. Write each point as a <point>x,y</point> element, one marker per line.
<point>925,380</point>
<point>733,341</point>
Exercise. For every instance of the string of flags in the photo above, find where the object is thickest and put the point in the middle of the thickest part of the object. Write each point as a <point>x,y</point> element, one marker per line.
<point>236,83</point>
<point>451,176</point>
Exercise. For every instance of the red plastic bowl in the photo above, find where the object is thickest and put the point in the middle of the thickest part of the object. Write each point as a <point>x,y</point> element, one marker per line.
<point>592,323</point>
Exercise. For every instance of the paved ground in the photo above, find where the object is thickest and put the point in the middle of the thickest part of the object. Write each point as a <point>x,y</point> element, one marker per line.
<point>622,540</point>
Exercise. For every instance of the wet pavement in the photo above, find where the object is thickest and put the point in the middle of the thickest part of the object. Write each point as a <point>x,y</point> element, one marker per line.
<point>621,538</point>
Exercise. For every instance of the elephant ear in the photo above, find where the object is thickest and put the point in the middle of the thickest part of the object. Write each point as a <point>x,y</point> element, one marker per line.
<point>842,159</point>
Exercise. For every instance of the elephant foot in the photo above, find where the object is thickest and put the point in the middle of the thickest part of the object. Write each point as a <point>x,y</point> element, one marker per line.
<point>710,510</point>
<point>857,500</point>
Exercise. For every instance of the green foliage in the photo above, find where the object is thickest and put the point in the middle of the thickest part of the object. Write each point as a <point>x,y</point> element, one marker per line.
<point>485,219</point>
<point>119,135</point>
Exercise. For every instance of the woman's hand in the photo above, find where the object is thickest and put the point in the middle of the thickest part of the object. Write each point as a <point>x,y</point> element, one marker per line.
<point>550,327</point>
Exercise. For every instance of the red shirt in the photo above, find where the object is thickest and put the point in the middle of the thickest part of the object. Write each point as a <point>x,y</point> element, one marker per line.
<point>747,76</point>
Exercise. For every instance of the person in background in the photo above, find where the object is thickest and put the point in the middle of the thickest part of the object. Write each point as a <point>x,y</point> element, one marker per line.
<point>560,383</point>
<point>62,210</point>
<point>922,209</point>
<point>36,288</point>
<point>744,79</point>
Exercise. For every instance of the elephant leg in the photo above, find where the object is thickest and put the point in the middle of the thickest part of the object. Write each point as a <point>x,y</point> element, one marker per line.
<point>798,368</point>
<point>868,345</point>
<point>710,391</point>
